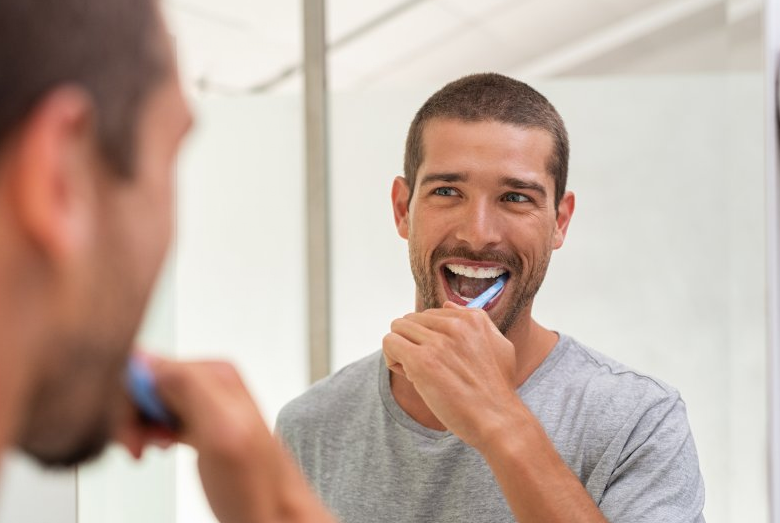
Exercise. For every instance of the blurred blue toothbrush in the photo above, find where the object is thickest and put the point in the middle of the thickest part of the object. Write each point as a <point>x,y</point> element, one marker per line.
<point>141,386</point>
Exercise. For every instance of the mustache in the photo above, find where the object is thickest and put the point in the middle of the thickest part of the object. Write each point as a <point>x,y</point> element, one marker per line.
<point>509,260</point>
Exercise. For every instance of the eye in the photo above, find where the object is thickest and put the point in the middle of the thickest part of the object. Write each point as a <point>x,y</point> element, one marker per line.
<point>516,197</point>
<point>445,191</point>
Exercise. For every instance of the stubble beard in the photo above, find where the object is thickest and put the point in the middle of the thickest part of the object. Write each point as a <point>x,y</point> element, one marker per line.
<point>72,415</point>
<point>523,285</point>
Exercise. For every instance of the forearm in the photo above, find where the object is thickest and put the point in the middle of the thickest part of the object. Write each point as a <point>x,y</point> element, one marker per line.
<point>299,503</point>
<point>538,485</point>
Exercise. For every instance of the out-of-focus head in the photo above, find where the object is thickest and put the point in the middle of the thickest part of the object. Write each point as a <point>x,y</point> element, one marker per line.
<point>91,117</point>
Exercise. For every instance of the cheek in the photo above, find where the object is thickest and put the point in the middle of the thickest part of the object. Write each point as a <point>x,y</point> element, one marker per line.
<point>533,245</point>
<point>428,230</point>
<point>420,245</point>
<point>151,223</point>
<point>159,191</point>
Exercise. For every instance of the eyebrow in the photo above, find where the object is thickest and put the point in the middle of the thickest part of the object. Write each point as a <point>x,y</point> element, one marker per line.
<point>516,183</point>
<point>442,177</point>
<point>508,181</point>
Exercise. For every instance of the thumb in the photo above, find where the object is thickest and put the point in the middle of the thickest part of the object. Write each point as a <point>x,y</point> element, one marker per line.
<point>177,386</point>
<point>452,305</point>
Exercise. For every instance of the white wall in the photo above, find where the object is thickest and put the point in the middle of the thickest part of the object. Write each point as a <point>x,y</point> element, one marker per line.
<point>116,488</point>
<point>31,494</point>
<point>240,274</point>
<point>663,266</point>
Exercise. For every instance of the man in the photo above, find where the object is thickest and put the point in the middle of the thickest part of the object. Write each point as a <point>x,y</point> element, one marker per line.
<point>91,116</point>
<point>485,415</point>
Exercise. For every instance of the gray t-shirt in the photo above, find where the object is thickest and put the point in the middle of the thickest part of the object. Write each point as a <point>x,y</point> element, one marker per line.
<point>625,435</point>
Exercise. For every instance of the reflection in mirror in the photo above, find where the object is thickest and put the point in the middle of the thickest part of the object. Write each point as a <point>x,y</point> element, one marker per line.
<point>663,265</point>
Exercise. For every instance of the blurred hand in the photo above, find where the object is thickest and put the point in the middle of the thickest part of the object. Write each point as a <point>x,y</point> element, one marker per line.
<point>246,474</point>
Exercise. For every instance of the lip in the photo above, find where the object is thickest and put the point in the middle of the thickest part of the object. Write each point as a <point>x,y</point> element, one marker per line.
<point>451,296</point>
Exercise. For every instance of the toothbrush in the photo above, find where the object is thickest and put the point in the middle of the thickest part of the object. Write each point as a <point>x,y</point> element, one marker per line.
<point>484,298</point>
<point>140,385</point>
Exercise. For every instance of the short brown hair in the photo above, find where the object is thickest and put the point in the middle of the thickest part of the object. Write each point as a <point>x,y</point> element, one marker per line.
<point>491,96</point>
<point>110,48</point>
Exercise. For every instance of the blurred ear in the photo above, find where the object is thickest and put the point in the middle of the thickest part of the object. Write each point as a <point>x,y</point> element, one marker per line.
<point>565,212</point>
<point>50,181</point>
<point>400,195</point>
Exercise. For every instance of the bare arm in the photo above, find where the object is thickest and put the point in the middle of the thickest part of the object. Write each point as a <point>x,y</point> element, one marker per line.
<point>246,474</point>
<point>537,483</point>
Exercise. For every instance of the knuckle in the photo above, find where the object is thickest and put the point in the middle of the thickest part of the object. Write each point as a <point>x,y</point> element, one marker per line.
<point>173,377</point>
<point>455,324</point>
<point>222,372</point>
<point>227,371</point>
<point>426,358</point>
<point>476,317</point>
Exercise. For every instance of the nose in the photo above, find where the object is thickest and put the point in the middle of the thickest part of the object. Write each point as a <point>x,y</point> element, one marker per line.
<point>479,226</point>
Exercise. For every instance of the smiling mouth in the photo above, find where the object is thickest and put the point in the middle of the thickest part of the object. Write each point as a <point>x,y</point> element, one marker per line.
<point>466,282</point>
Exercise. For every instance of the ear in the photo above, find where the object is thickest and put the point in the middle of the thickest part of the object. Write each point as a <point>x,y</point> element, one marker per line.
<point>400,196</point>
<point>50,178</point>
<point>565,212</point>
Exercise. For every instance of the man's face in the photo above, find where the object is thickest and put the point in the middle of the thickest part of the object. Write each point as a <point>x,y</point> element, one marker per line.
<point>80,393</point>
<point>483,205</point>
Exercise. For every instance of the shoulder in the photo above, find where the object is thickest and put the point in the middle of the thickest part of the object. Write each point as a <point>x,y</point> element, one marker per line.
<point>644,460</point>
<point>610,398</point>
<point>602,377</point>
<point>330,398</point>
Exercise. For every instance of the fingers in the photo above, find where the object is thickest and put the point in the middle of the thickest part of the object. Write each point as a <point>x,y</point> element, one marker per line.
<point>130,432</point>
<point>135,438</point>
<point>245,473</point>
<point>477,317</point>
<point>396,350</point>
<point>413,328</point>
<point>453,310</point>
<point>215,409</point>
<point>452,319</point>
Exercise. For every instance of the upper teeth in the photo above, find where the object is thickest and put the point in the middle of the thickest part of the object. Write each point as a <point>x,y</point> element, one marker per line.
<point>476,272</point>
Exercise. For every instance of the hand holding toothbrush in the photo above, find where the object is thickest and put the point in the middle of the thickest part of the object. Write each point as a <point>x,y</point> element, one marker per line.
<point>460,364</point>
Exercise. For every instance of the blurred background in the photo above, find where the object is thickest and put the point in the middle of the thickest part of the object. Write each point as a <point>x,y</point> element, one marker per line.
<point>664,266</point>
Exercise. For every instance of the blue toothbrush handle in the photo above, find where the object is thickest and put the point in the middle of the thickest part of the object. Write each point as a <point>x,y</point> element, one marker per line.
<point>483,299</point>
<point>141,386</point>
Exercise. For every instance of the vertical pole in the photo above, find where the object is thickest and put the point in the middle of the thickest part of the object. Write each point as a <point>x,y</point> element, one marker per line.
<point>772,146</point>
<point>318,237</point>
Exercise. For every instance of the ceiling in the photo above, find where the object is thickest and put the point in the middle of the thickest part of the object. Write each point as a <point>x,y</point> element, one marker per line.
<point>256,45</point>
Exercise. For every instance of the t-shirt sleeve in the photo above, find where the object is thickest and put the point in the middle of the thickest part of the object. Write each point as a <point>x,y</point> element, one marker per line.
<point>285,431</point>
<point>657,477</point>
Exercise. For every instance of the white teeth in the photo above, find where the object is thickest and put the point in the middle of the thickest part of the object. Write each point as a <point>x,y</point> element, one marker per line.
<point>464,298</point>
<point>476,272</point>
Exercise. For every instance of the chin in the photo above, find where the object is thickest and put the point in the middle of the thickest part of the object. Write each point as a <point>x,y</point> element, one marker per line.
<point>72,416</point>
<point>86,447</point>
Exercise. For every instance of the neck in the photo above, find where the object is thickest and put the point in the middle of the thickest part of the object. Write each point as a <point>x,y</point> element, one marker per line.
<point>533,343</point>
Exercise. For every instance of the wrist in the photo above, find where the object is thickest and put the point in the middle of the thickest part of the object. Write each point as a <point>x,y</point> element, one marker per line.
<point>504,429</point>
<point>520,444</point>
